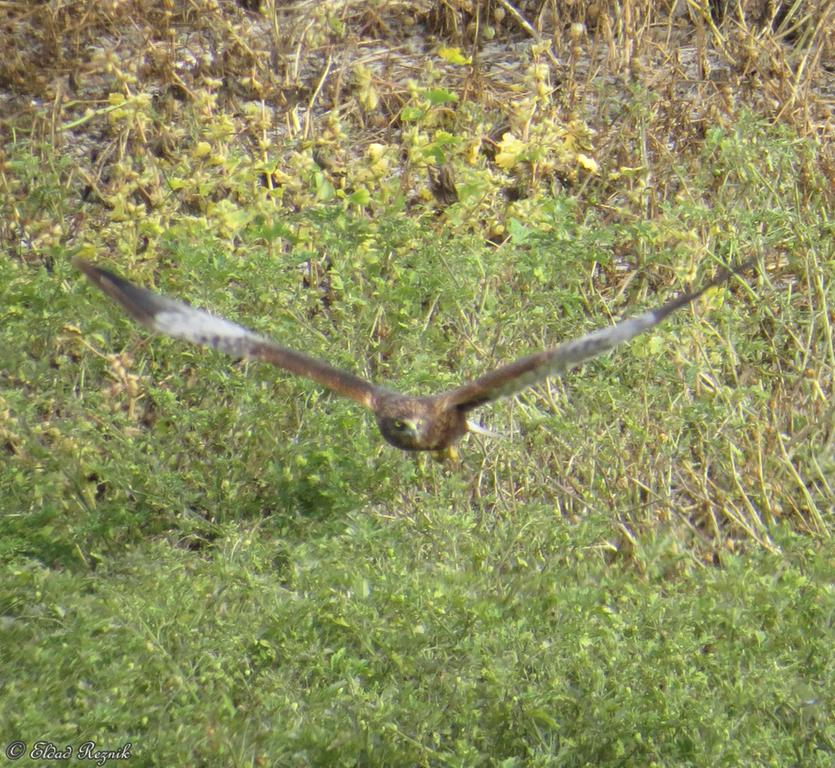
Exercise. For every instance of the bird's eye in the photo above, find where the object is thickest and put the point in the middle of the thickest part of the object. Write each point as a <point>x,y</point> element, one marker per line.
<point>403,427</point>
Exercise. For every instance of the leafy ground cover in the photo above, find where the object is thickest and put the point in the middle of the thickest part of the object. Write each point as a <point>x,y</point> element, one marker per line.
<point>223,565</point>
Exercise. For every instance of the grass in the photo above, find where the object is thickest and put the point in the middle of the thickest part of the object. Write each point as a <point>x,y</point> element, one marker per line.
<point>436,639</point>
<point>223,565</point>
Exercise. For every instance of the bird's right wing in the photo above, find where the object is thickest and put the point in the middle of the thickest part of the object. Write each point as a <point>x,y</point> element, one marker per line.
<point>182,321</point>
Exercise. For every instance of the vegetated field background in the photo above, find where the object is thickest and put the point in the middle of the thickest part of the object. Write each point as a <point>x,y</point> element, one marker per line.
<point>221,565</point>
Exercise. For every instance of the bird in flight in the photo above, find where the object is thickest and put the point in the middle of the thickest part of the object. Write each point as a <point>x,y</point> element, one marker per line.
<point>430,423</point>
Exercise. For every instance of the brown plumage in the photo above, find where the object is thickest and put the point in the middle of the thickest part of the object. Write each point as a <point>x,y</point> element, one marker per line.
<point>432,423</point>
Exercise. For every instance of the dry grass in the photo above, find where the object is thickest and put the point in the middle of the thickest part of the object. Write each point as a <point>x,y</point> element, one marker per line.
<point>305,60</point>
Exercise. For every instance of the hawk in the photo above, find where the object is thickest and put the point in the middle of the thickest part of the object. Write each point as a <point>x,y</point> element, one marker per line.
<point>430,423</point>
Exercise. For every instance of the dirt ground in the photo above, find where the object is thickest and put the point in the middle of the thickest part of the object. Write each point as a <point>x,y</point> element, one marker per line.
<point>306,66</point>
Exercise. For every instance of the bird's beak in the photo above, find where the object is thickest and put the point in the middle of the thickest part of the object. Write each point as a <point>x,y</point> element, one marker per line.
<point>412,425</point>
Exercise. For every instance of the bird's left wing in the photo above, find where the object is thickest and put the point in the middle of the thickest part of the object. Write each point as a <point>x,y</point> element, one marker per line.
<point>178,319</point>
<point>526,371</point>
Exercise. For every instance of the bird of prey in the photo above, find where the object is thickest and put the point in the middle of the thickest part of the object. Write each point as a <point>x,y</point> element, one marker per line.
<point>430,423</point>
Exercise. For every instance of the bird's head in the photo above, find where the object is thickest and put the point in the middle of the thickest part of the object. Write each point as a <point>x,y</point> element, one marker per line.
<point>406,431</point>
<point>419,423</point>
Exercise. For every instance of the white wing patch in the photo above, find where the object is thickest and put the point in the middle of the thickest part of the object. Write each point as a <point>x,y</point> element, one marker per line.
<point>558,360</point>
<point>198,326</point>
<point>184,322</point>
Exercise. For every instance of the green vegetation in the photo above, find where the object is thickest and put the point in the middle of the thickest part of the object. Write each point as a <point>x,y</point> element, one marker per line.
<point>224,565</point>
<point>437,639</point>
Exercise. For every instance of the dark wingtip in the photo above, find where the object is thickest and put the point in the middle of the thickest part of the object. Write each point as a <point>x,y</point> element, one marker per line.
<point>722,276</point>
<point>726,273</point>
<point>102,278</point>
<point>84,266</point>
<point>140,303</point>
